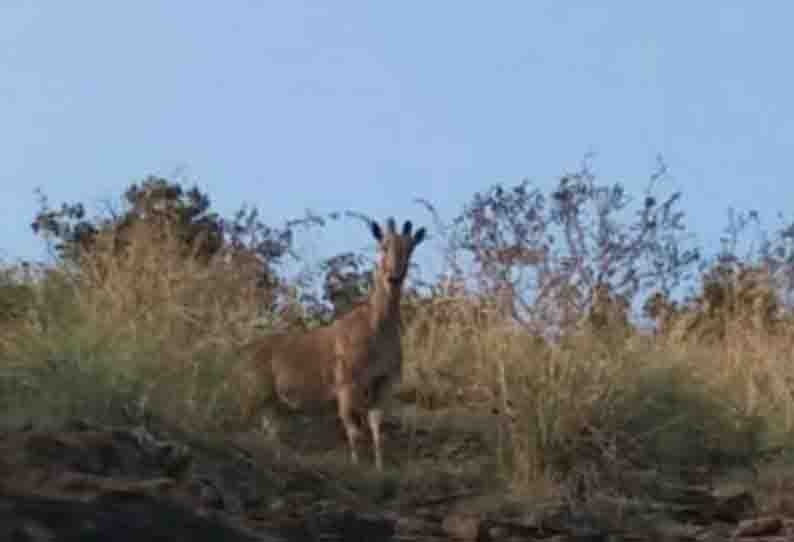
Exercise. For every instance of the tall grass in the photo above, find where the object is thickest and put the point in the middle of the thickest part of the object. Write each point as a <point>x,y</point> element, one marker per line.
<point>593,407</point>
<point>154,332</point>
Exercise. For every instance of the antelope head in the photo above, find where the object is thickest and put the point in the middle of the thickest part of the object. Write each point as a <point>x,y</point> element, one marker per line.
<point>394,253</point>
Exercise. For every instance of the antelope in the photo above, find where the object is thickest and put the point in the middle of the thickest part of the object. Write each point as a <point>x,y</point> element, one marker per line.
<point>356,360</point>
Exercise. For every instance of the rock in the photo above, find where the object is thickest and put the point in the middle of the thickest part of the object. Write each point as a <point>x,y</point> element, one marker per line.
<point>587,535</point>
<point>498,532</point>
<point>785,505</point>
<point>251,497</point>
<point>208,495</point>
<point>462,526</point>
<point>716,533</point>
<point>122,519</point>
<point>90,486</point>
<point>31,531</point>
<point>759,527</point>
<point>353,526</point>
<point>277,504</point>
<point>413,525</point>
<point>733,508</point>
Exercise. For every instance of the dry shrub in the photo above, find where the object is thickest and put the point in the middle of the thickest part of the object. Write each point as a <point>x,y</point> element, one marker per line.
<point>444,349</point>
<point>149,331</point>
<point>735,301</point>
<point>585,411</point>
<point>155,284</point>
<point>154,330</point>
<point>736,326</point>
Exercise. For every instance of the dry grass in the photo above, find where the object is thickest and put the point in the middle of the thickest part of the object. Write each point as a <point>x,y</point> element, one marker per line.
<point>157,334</point>
<point>585,411</point>
<point>154,333</point>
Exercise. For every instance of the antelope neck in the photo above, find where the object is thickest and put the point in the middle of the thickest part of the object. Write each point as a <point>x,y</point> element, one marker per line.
<point>385,306</point>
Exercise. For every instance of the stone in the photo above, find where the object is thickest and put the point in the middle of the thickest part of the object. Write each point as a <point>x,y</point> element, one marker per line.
<point>462,526</point>
<point>759,527</point>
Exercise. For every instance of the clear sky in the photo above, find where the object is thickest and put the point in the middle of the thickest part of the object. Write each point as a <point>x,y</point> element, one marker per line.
<point>366,105</point>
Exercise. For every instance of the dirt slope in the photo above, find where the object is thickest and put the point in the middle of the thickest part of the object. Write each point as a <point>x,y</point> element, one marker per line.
<point>90,483</point>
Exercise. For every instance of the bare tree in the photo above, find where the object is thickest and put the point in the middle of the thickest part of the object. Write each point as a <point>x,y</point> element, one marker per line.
<point>544,254</point>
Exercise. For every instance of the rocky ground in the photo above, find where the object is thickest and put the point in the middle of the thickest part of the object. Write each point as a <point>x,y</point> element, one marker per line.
<point>85,482</point>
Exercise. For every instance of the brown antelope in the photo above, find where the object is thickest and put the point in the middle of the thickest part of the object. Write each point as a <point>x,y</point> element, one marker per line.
<point>355,360</point>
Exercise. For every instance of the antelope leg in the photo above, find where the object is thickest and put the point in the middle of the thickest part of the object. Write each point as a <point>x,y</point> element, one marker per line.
<point>375,418</point>
<point>346,414</point>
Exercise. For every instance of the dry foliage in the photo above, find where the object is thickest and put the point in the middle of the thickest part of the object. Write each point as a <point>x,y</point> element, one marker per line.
<point>154,331</point>
<point>537,338</point>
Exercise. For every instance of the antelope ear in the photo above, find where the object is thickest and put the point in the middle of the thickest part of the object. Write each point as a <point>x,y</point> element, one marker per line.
<point>407,227</point>
<point>419,236</point>
<point>376,231</point>
<point>391,225</point>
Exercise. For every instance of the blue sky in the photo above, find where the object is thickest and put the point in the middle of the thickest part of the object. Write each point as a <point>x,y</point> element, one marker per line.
<point>327,106</point>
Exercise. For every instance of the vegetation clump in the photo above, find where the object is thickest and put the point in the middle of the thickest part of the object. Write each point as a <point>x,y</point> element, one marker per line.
<point>558,326</point>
